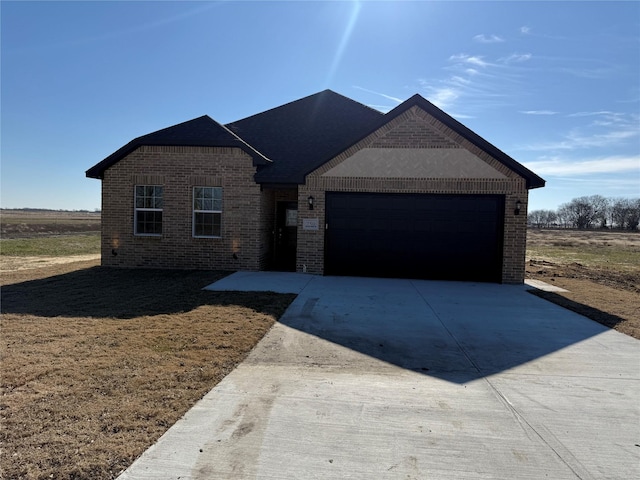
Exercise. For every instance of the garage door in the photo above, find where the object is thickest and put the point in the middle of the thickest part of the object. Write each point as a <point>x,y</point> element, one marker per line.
<point>453,237</point>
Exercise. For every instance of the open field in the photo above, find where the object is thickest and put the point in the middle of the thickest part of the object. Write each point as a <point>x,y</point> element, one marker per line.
<point>30,223</point>
<point>41,238</point>
<point>594,248</point>
<point>601,270</point>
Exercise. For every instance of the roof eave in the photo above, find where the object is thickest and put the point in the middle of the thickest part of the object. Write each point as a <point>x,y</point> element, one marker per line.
<point>97,171</point>
<point>150,139</point>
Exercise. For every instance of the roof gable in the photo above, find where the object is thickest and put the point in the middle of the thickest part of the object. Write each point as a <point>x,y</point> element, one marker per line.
<point>199,132</point>
<point>532,180</point>
<point>299,136</point>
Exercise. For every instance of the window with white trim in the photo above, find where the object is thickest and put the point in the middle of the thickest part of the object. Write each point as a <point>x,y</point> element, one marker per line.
<point>148,211</point>
<point>207,212</point>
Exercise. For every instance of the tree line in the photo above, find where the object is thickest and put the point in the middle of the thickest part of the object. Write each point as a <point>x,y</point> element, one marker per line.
<point>594,211</point>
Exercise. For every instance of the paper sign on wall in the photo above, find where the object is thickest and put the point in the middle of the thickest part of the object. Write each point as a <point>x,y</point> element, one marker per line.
<point>291,218</point>
<point>310,224</point>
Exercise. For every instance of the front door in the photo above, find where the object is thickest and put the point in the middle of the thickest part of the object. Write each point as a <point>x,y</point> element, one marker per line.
<point>286,236</point>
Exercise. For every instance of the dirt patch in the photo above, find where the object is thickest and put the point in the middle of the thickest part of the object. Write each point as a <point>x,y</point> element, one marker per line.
<point>559,273</point>
<point>98,363</point>
<point>600,270</point>
<point>615,308</point>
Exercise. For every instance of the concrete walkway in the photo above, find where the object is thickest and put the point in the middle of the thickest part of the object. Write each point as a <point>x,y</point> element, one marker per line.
<point>399,379</point>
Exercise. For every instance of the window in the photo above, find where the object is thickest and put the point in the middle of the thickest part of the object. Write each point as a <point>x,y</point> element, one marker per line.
<point>207,211</point>
<point>148,212</point>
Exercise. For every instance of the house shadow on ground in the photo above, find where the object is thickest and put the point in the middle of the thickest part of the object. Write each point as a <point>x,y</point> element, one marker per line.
<point>103,292</point>
<point>455,331</point>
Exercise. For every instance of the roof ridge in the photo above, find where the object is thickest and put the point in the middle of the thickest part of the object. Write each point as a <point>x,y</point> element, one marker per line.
<point>355,101</point>
<point>306,98</point>
<point>175,125</point>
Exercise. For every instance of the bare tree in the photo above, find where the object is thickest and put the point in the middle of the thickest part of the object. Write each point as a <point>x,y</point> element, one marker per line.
<point>535,218</point>
<point>586,212</point>
<point>619,212</point>
<point>579,212</point>
<point>549,218</point>
<point>625,213</point>
<point>563,217</point>
<point>542,218</point>
<point>634,215</point>
<point>600,206</point>
<point>594,211</point>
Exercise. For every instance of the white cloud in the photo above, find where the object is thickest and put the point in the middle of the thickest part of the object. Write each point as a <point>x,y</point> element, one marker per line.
<point>525,30</point>
<point>516,57</point>
<point>576,140</point>
<point>460,80</point>
<point>539,112</point>
<point>383,95</point>
<point>443,97</point>
<point>606,130</point>
<point>602,139</point>
<point>488,38</point>
<point>461,116</point>
<point>380,108</point>
<point>591,73</point>
<point>591,114</point>
<point>470,59</point>
<point>481,82</point>
<point>559,167</point>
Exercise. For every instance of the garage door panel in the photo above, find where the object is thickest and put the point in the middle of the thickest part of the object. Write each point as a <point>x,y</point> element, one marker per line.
<point>414,236</point>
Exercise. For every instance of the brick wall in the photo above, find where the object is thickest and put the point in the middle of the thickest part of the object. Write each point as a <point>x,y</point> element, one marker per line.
<point>178,170</point>
<point>414,129</point>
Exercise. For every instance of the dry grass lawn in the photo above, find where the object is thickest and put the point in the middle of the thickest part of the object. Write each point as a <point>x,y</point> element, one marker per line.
<point>98,363</point>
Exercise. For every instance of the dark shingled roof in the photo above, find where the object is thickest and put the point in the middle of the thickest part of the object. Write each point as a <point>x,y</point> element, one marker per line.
<point>199,132</point>
<point>291,141</point>
<point>298,136</point>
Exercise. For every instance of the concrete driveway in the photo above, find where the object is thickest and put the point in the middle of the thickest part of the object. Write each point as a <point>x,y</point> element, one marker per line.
<point>404,379</point>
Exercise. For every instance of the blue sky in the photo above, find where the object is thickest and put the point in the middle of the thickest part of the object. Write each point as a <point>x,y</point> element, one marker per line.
<point>556,85</point>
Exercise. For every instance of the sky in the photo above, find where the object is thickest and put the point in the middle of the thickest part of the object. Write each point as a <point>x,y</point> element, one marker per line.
<point>555,85</point>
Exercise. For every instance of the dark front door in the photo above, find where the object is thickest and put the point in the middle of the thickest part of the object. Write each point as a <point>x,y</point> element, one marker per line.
<point>286,236</point>
<point>454,237</point>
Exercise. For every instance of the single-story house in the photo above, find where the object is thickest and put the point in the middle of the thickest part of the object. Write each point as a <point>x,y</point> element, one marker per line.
<point>323,185</point>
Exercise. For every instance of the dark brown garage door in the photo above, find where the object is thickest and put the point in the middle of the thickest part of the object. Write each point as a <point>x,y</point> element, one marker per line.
<point>453,237</point>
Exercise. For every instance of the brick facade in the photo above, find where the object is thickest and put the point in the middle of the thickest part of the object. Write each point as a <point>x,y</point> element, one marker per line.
<point>249,210</point>
<point>245,212</point>
<point>414,129</point>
